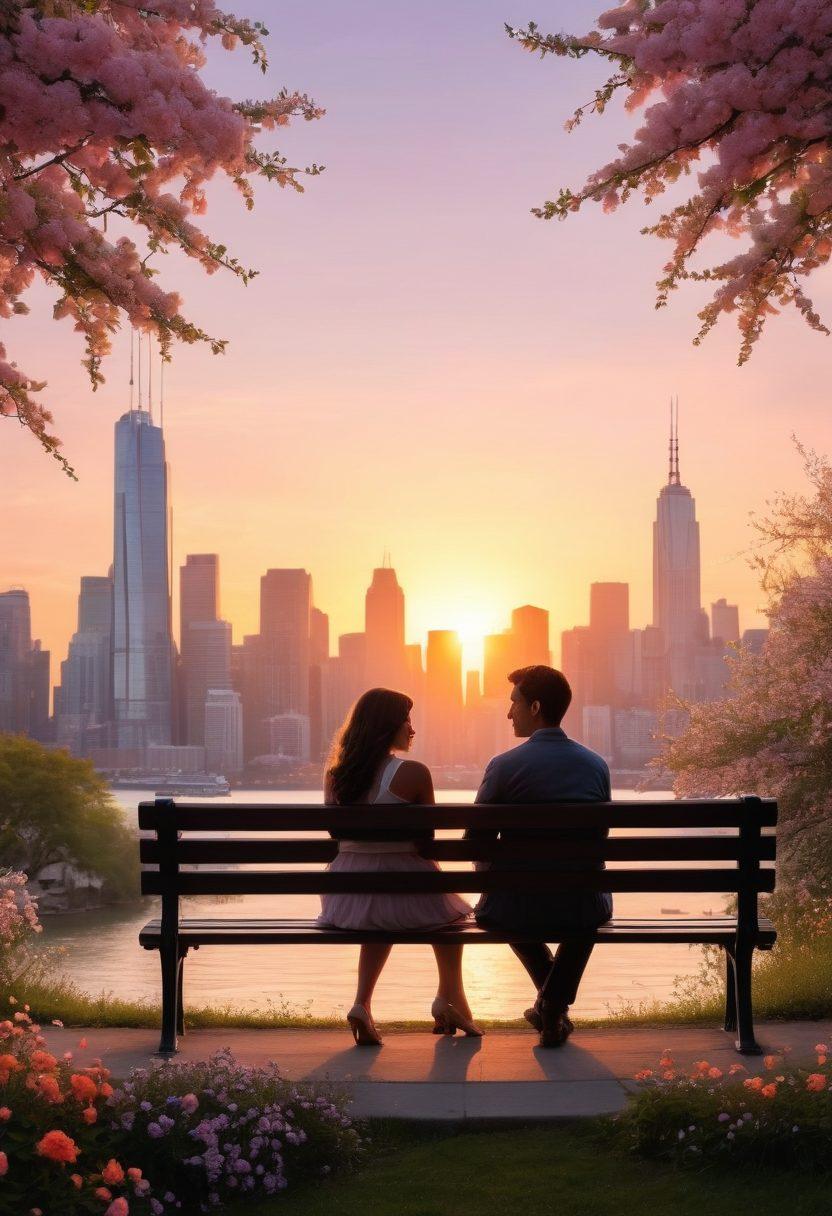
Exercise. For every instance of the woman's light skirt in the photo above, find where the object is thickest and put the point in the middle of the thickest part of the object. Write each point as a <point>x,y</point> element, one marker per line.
<point>387,911</point>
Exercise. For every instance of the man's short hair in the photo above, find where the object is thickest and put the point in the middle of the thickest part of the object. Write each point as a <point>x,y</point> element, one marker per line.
<point>546,685</point>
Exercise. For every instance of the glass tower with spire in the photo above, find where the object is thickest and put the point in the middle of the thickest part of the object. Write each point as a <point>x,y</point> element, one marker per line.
<point>677,600</point>
<point>143,651</point>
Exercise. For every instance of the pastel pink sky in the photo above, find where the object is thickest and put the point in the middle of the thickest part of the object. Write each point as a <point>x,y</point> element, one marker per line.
<point>421,365</point>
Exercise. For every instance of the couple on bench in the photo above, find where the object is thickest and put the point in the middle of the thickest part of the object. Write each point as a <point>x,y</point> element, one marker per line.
<point>548,767</point>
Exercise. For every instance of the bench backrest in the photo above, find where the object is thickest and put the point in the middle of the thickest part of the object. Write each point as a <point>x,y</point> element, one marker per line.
<point>738,861</point>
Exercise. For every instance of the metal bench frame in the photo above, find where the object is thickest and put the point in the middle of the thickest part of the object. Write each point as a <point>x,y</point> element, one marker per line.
<point>179,843</point>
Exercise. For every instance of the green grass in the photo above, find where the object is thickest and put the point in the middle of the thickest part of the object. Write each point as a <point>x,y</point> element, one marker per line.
<point>788,985</point>
<point>554,1170</point>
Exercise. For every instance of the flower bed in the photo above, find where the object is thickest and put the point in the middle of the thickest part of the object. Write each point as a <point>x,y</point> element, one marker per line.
<point>180,1137</point>
<point>781,1118</point>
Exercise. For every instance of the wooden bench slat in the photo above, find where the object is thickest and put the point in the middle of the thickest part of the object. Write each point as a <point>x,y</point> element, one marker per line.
<point>254,818</point>
<point>621,931</point>
<point>315,882</point>
<point>198,850</point>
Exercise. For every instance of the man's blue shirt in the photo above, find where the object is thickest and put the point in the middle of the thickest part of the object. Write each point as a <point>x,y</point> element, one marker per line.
<point>548,767</point>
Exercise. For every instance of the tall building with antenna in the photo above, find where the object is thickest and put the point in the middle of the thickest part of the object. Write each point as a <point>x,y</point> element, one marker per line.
<point>677,601</point>
<point>143,651</point>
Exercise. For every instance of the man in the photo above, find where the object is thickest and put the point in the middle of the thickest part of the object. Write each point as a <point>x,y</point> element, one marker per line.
<point>548,767</point>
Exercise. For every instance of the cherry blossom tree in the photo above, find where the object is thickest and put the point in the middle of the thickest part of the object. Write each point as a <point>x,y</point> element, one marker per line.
<point>743,90</point>
<point>104,117</point>
<point>772,734</point>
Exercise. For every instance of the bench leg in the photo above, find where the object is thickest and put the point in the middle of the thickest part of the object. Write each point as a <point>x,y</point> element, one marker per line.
<point>746,1043</point>
<point>180,1001</point>
<point>170,962</point>
<point>730,1022</point>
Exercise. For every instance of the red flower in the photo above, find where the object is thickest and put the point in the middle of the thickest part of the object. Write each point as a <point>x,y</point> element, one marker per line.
<point>58,1146</point>
<point>112,1172</point>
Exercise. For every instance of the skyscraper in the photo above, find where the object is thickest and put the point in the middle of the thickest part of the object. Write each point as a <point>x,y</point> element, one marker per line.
<point>83,710</point>
<point>15,648</point>
<point>384,628</point>
<point>143,651</point>
<point>206,662</point>
<point>725,621</point>
<point>204,640</point>
<point>199,591</point>
<point>677,607</point>
<point>530,632</point>
<point>609,625</point>
<point>223,731</point>
<point>285,628</point>
<point>443,694</point>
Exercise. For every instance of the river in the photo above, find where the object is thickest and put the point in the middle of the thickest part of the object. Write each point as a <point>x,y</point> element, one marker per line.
<point>101,953</point>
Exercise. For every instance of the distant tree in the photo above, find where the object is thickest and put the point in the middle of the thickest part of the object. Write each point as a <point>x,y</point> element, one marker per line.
<point>772,735</point>
<point>745,85</point>
<point>54,807</point>
<point>103,114</point>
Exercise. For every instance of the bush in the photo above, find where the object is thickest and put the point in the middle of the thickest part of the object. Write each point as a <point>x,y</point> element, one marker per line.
<point>782,1118</point>
<point>178,1138</point>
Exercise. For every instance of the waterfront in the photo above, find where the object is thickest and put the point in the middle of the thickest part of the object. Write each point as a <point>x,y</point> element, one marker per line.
<point>102,953</point>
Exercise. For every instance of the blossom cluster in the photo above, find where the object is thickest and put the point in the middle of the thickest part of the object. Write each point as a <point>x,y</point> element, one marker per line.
<point>743,89</point>
<point>237,1131</point>
<point>177,1138</point>
<point>104,115</point>
<point>705,1112</point>
<point>18,911</point>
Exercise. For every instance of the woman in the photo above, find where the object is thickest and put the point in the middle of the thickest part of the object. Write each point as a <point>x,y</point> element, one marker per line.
<point>363,770</point>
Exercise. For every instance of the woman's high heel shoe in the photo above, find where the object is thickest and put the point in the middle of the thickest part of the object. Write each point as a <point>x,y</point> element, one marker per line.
<point>447,1020</point>
<point>363,1027</point>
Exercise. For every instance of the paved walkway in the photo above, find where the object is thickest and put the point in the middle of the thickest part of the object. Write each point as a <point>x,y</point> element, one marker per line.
<point>418,1076</point>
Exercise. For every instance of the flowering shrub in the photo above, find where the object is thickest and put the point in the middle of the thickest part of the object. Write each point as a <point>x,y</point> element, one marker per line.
<point>782,1117</point>
<point>180,1137</point>
<point>18,925</point>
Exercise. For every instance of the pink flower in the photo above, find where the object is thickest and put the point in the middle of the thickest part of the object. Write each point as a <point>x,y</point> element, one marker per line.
<point>5,1114</point>
<point>4,1164</point>
<point>815,1082</point>
<point>768,1091</point>
<point>112,1172</point>
<point>119,1207</point>
<point>189,1103</point>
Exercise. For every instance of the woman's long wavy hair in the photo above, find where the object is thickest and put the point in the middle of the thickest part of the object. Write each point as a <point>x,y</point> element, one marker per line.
<point>363,741</point>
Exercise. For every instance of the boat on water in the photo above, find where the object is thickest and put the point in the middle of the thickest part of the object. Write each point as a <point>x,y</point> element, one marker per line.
<point>183,785</point>
<point>199,786</point>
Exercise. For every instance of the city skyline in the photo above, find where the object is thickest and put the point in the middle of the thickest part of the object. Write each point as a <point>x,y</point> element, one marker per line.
<point>420,365</point>
<point>132,700</point>
<point>194,599</point>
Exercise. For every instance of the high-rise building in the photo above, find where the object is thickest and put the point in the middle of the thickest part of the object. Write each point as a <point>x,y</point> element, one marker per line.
<point>204,640</point>
<point>577,665</point>
<point>223,731</point>
<point>498,660</point>
<point>199,591</point>
<point>284,648</point>
<point>83,708</point>
<point>443,695</point>
<point>289,736</point>
<point>725,622</point>
<point>318,659</point>
<point>384,630</point>
<point>24,670</point>
<point>206,663</point>
<point>143,650</point>
<point>530,631</point>
<point>15,646</point>
<point>677,607</point>
<point>609,625</point>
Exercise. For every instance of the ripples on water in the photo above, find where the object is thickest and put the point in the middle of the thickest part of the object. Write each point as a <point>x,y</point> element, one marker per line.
<point>102,953</point>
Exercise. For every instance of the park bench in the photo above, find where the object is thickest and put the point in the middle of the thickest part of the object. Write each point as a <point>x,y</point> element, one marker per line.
<point>724,850</point>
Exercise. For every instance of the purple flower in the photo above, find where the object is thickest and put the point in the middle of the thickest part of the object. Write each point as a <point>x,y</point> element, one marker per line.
<point>169,1197</point>
<point>128,1120</point>
<point>723,1118</point>
<point>166,1122</point>
<point>154,1131</point>
<point>144,1106</point>
<point>156,1207</point>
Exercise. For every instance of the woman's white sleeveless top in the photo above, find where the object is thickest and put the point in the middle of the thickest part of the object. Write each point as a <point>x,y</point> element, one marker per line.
<point>381,792</point>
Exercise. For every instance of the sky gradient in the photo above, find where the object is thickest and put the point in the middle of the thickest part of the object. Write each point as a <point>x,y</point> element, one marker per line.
<point>421,366</point>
